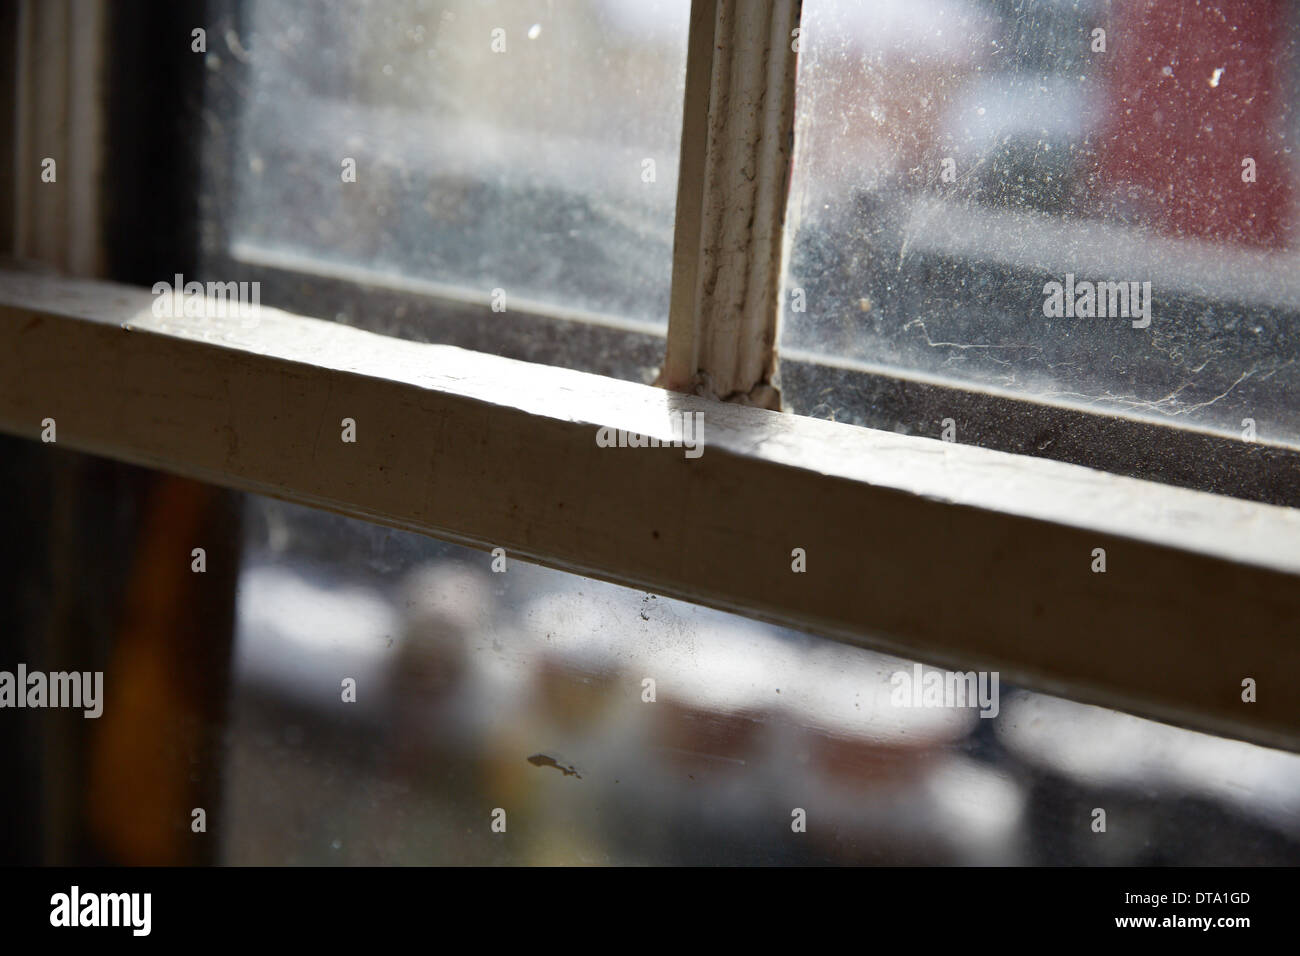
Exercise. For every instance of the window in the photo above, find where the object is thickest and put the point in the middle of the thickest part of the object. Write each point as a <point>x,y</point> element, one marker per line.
<point>1074,506</point>
<point>957,158</point>
<point>469,673</point>
<point>551,186</point>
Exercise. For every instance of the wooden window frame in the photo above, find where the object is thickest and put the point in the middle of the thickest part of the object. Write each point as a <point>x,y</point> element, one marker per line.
<point>950,553</point>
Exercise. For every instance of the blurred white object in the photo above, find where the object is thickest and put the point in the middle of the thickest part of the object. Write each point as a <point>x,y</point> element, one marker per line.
<point>1106,748</point>
<point>299,638</point>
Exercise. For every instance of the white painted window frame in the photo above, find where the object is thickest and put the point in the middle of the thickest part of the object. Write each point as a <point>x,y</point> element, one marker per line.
<point>951,554</point>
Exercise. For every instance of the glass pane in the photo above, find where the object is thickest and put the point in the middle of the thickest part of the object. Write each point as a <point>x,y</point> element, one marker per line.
<point>1087,202</point>
<point>389,692</point>
<point>524,690</point>
<point>505,153</point>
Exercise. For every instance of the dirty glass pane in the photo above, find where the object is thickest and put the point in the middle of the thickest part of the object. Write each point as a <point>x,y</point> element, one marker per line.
<point>499,152</point>
<point>388,692</point>
<point>969,172</point>
<point>524,690</point>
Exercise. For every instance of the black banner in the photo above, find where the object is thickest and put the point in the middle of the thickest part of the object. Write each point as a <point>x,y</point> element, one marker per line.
<point>925,905</point>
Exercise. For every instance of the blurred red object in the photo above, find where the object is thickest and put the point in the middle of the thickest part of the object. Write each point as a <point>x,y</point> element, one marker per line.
<point>1196,89</point>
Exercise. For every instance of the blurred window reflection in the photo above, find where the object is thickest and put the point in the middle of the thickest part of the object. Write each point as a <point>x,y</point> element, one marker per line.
<point>954,156</point>
<point>524,690</point>
<point>527,146</point>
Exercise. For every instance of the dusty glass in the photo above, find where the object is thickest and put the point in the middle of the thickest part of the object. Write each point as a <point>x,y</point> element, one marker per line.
<point>522,154</point>
<point>1091,203</point>
<point>525,690</point>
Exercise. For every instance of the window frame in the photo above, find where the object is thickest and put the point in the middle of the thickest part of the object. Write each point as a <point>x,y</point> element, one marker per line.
<point>949,553</point>
<point>942,552</point>
<point>890,399</point>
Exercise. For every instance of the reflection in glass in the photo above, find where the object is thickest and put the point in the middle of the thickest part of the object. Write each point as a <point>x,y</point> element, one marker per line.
<point>460,147</point>
<point>526,691</point>
<point>954,157</point>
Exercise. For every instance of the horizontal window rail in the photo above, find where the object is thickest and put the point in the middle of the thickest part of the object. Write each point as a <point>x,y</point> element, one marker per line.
<point>891,399</point>
<point>955,555</point>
